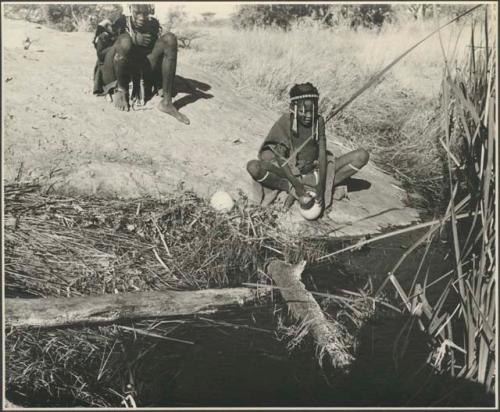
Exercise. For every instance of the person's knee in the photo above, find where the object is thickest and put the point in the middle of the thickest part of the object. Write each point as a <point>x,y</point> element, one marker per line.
<point>267,155</point>
<point>169,41</point>
<point>124,44</point>
<point>255,169</point>
<point>362,157</point>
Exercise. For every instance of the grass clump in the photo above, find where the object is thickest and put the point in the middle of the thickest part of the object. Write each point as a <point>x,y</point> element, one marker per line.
<point>59,246</point>
<point>49,364</point>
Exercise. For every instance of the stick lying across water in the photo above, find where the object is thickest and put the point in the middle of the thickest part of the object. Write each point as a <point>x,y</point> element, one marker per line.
<point>304,309</point>
<point>52,312</point>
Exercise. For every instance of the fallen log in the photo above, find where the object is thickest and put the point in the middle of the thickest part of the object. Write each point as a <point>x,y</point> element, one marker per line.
<point>52,312</point>
<point>330,338</point>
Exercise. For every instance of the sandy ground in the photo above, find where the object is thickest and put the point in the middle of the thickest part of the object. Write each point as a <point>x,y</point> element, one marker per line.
<point>57,130</point>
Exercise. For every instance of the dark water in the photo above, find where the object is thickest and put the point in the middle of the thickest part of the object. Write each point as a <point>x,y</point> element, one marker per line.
<point>238,361</point>
<point>247,368</point>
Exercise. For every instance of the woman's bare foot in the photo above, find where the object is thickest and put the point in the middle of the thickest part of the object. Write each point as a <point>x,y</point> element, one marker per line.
<point>170,109</point>
<point>120,100</point>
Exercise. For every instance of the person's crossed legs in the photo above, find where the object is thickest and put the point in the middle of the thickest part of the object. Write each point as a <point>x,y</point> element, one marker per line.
<point>269,175</point>
<point>349,164</point>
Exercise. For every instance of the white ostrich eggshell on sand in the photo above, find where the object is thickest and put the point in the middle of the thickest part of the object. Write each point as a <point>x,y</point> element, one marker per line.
<point>222,201</point>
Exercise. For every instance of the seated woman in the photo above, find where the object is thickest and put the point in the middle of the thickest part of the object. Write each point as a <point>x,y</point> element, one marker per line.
<point>312,172</point>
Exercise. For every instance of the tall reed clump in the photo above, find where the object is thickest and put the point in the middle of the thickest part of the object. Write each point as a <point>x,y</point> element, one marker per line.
<point>462,322</point>
<point>470,97</point>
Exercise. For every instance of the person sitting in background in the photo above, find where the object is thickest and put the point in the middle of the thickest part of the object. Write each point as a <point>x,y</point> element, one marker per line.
<point>312,172</point>
<point>133,48</point>
<point>103,39</point>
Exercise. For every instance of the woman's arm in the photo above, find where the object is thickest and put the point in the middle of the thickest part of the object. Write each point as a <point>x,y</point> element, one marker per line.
<point>296,183</point>
<point>279,153</point>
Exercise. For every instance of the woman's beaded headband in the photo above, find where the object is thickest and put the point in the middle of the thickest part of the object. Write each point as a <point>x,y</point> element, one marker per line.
<point>304,96</point>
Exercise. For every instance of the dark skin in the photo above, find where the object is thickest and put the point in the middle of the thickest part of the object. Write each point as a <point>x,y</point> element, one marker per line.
<point>305,112</point>
<point>164,53</point>
<point>343,169</point>
<point>273,171</point>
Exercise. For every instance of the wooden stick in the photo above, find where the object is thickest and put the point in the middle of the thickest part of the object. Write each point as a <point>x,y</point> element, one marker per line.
<point>305,309</point>
<point>154,335</point>
<point>375,79</point>
<point>394,233</point>
<point>52,312</point>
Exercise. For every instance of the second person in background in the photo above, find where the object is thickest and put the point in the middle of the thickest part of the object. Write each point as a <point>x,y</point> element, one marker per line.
<point>133,48</point>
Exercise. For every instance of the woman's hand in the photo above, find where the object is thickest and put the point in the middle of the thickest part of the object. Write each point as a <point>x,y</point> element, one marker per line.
<point>306,201</point>
<point>300,189</point>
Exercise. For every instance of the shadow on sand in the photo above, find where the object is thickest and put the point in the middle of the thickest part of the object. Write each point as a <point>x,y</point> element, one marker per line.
<point>356,185</point>
<point>194,90</point>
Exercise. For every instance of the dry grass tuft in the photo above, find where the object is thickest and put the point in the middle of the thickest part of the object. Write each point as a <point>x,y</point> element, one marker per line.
<point>50,363</point>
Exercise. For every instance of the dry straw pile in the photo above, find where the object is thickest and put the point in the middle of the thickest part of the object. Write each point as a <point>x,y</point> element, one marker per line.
<point>80,246</point>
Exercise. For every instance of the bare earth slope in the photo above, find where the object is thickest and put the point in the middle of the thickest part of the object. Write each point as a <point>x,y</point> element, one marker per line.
<point>55,128</point>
